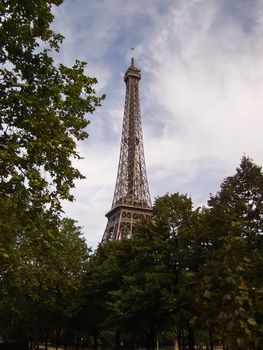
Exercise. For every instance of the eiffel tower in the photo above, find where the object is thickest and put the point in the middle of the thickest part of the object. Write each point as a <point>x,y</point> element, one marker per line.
<point>131,200</point>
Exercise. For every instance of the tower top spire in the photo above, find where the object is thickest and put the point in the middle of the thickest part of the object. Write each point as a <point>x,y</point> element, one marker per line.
<point>132,56</point>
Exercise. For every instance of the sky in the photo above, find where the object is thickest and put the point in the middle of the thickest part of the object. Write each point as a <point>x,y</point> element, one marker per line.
<point>201,93</point>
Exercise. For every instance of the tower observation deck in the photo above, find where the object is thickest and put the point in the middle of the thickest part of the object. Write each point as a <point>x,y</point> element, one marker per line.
<point>131,200</point>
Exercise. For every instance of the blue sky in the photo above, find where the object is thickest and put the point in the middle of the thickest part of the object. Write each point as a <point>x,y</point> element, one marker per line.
<point>201,93</point>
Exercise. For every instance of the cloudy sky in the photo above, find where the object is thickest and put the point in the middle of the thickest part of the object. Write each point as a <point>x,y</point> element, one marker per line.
<point>201,93</point>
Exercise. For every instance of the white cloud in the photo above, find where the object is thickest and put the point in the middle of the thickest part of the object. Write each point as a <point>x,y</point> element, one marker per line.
<point>210,81</point>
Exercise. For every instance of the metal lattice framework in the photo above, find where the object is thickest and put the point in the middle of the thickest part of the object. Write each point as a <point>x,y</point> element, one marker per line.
<point>131,200</point>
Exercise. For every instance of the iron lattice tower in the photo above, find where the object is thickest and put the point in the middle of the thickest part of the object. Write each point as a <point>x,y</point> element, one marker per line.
<point>131,200</point>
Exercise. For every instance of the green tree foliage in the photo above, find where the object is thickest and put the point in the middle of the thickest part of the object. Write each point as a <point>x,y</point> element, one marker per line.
<point>130,284</point>
<point>41,284</point>
<point>43,109</point>
<point>104,275</point>
<point>181,263</point>
<point>234,270</point>
<point>43,116</point>
<point>137,305</point>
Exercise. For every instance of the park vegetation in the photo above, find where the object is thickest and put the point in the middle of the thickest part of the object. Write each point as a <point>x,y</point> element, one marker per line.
<point>188,278</point>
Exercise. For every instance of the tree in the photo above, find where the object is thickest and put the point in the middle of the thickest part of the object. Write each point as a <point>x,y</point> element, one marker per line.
<point>40,288</point>
<point>147,299</point>
<point>175,212</point>
<point>137,304</point>
<point>104,276</point>
<point>42,118</point>
<point>121,291</point>
<point>233,274</point>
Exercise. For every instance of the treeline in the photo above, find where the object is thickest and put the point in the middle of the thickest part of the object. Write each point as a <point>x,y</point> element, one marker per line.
<point>191,277</point>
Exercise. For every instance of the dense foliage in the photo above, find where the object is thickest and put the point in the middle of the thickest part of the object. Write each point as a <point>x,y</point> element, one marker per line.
<point>43,116</point>
<point>43,109</point>
<point>194,276</point>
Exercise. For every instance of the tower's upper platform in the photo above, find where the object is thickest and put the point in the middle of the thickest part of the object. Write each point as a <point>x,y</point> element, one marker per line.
<point>132,71</point>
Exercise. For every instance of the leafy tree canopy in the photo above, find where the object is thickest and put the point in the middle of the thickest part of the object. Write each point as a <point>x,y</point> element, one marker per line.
<point>43,106</point>
<point>43,115</point>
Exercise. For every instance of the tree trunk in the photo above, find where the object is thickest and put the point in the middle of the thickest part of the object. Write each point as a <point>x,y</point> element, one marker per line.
<point>152,338</point>
<point>77,341</point>
<point>191,339</point>
<point>176,344</point>
<point>57,338</point>
<point>132,341</point>
<point>117,340</point>
<point>95,340</point>
<point>181,339</point>
<point>211,339</point>
<point>46,339</point>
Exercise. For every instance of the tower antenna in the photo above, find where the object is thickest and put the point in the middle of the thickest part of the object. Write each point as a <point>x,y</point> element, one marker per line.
<point>132,56</point>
